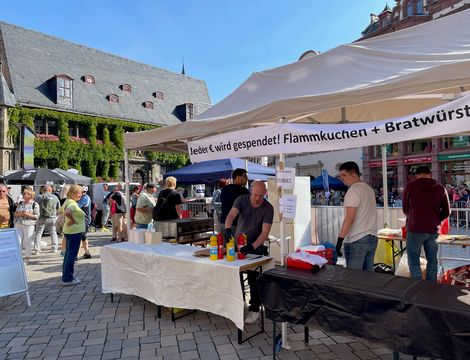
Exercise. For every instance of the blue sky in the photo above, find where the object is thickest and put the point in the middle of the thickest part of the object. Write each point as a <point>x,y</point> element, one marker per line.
<point>221,41</point>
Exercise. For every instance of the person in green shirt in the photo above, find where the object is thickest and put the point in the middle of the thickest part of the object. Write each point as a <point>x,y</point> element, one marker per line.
<point>74,227</point>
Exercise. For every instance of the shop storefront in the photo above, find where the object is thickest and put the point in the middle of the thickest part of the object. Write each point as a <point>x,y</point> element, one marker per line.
<point>411,164</point>
<point>376,174</point>
<point>455,168</point>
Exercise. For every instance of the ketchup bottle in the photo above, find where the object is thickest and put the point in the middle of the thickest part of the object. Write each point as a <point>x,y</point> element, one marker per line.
<point>220,245</point>
<point>241,242</point>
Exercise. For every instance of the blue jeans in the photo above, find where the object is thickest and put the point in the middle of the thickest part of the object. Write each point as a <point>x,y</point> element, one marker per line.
<point>144,226</point>
<point>71,252</point>
<point>414,242</point>
<point>360,254</point>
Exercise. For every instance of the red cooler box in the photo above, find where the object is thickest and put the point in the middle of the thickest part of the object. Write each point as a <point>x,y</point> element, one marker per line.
<point>320,251</point>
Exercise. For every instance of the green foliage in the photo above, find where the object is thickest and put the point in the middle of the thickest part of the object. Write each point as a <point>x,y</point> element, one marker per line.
<point>114,170</point>
<point>109,152</point>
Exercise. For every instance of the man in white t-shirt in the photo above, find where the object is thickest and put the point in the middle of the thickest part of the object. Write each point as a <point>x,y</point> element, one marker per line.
<point>359,227</point>
<point>144,208</point>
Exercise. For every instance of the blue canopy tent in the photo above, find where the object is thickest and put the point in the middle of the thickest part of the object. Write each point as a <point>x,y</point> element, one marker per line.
<point>208,172</point>
<point>334,184</point>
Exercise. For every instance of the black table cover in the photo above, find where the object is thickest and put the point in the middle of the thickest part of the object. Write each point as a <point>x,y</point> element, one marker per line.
<point>414,317</point>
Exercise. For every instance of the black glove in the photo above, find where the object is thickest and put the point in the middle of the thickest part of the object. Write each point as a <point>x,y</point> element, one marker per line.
<point>247,249</point>
<point>339,243</point>
<point>228,234</point>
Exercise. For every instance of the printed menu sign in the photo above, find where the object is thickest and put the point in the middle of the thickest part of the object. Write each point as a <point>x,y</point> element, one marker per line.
<point>12,273</point>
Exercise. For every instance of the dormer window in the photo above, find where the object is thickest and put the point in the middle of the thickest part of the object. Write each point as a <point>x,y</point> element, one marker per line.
<point>64,86</point>
<point>126,88</point>
<point>148,105</point>
<point>158,95</point>
<point>88,79</point>
<point>113,98</point>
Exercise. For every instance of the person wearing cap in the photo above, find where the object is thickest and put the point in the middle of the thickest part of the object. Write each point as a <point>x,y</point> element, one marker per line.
<point>231,192</point>
<point>85,204</point>
<point>144,208</point>
<point>48,206</point>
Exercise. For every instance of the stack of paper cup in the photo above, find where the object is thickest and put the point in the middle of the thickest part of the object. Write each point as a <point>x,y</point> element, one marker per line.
<point>153,237</point>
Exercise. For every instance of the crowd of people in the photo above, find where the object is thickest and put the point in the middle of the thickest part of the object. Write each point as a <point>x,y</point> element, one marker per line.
<point>69,211</point>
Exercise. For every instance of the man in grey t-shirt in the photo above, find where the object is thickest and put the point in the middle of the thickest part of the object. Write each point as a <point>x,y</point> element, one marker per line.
<point>255,218</point>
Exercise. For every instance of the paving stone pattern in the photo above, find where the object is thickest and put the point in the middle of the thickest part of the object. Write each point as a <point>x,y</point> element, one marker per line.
<point>80,322</point>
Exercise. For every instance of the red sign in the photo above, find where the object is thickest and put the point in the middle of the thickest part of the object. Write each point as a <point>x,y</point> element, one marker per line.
<point>417,160</point>
<point>379,163</point>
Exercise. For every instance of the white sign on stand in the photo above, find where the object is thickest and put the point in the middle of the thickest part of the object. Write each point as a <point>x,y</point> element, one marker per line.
<point>285,178</point>
<point>12,272</point>
<point>288,206</point>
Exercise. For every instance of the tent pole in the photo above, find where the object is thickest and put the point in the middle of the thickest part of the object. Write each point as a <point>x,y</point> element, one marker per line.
<point>127,192</point>
<point>246,168</point>
<point>386,221</point>
<point>284,249</point>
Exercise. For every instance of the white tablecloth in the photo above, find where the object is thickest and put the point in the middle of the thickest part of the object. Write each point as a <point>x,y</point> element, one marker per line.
<point>169,275</point>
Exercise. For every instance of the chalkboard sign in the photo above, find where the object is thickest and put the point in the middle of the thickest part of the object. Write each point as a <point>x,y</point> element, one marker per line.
<point>12,272</point>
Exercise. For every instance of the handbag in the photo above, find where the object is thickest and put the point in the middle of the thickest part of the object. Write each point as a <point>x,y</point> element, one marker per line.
<point>60,221</point>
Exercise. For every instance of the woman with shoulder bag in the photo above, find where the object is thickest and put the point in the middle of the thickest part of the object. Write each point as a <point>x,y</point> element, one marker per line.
<point>74,227</point>
<point>26,214</point>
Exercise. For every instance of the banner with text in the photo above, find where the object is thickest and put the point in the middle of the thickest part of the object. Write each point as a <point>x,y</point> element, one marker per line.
<point>289,138</point>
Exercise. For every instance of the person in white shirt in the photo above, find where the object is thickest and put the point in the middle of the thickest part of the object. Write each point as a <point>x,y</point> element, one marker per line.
<point>359,227</point>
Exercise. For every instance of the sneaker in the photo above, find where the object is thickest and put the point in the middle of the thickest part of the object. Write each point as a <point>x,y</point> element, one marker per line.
<point>113,239</point>
<point>75,281</point>
<point>86,256</point>
<point>252,317</point>
<point>104,229</point>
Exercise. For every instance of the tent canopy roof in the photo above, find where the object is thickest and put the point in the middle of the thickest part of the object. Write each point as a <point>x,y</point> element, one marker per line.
<point>211,171</point>
<point>383,77</point>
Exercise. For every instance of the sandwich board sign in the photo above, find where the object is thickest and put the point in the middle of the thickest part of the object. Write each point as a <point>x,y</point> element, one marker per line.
<point>12,272</point>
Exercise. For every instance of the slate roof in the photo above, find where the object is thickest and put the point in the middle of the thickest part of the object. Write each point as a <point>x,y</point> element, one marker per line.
<point>34,58</point>
<point>6,97</point>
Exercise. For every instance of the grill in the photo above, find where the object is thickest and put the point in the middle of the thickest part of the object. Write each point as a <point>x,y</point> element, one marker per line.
<point>185,231</point>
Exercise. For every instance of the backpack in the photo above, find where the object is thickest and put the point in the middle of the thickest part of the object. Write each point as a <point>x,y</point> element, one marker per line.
<point>161,206</point>
<point>122,205</point>
<point>60,221</point>
<point>48,206</point>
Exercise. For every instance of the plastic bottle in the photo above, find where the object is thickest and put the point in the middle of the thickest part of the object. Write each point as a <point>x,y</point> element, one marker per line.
<point>241,242</point>
<point>213,247</point>
<point>220,247</point>
<point>231,250</point>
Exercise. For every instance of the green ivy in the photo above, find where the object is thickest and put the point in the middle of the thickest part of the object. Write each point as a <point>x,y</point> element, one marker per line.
<point>109,153</point>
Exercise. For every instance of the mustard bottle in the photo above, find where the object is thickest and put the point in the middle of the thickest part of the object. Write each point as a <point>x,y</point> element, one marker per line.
<point>213,247</point>
<point>231,250</point>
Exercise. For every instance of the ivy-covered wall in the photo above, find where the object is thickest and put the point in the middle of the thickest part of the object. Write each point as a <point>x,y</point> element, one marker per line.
<point>93,157</point>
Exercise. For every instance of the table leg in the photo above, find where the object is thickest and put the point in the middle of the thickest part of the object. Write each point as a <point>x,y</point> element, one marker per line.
<point>396,355</point>
<point>274,340</point>
<point>240,333</point>
<point>112,297</point>
<point>306,334</point>
<point>392,244</point>
<point>159,311</point>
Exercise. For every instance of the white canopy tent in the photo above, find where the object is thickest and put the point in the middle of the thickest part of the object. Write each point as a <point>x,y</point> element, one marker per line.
<point>384,77</point>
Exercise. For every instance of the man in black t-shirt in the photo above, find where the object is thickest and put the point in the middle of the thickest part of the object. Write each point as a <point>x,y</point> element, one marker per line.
<point>231,192</point>
<point>169,200</point>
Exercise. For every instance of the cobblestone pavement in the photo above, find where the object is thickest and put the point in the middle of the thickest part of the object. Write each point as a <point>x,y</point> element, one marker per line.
<point>82,323</point>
